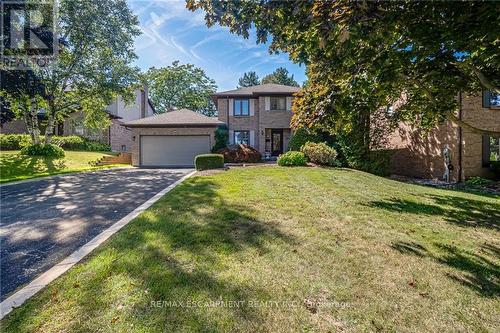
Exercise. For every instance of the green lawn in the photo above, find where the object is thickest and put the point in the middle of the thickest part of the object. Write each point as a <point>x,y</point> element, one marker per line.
<point>275,249</point>
<point>14,166</point>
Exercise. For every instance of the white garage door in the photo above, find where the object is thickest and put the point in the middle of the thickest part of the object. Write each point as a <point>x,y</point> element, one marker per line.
<point>173,151</point>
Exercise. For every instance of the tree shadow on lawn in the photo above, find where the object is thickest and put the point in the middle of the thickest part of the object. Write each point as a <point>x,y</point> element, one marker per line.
<point>176,251</point>
<point>478,272</point>
<point>13,165</point>
<point>456,210</point>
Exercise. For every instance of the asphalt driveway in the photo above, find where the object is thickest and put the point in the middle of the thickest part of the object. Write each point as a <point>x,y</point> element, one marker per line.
<point>44,221</point>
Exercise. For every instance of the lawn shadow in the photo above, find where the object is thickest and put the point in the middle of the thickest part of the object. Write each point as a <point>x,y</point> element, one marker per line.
<point>456,210</point>
<point>13,165</point>
<point>177,251</point>
<point>477,271</point>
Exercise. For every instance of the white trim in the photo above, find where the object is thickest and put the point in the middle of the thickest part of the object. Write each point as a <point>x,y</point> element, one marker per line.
<point>231,137</point>
<point>252,138</point>
<point>53,273</point>
<point>289,103</point>
<point>251,103</point>
<point>231,107</point>
<point>267,103</point>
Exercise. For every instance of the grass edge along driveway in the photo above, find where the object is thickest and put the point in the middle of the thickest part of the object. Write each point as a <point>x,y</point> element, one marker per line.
<point>309,249</point>
<point>15,167</point>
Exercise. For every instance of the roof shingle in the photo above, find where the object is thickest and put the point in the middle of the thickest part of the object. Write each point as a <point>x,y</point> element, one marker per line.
<point>182,117</point>
<point>267,88</point>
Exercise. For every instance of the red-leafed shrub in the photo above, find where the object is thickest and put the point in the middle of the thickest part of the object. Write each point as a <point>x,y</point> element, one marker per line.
<point>240,154</point>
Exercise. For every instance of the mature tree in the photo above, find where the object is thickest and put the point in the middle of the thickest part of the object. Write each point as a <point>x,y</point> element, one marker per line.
<point>248,79</point>
<point>22,97</point>
<point>280,76</point>
<point>93,64</point>
<point>181,86</point>
<point>365,54</point>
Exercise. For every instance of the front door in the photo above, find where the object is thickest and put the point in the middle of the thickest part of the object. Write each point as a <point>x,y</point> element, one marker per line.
<point>276,142</point>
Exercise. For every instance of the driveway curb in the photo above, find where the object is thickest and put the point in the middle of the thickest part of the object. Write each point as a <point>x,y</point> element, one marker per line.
<point>57,270</point>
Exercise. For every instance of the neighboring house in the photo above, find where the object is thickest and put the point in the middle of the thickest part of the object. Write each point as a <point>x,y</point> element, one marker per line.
<point>417,155</point>
<point>116,135</point>
<point>258,116</point>
<point>172,139</point>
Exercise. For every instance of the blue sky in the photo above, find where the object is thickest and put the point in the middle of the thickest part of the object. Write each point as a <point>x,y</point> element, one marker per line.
<point>171,32</point>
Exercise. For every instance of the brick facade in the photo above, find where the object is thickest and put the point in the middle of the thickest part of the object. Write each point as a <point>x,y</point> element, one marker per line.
<point>260,122</point>
<point>420,155</point>
<point>138,131</point>
<point>14,127</point>
<point>121,138</point>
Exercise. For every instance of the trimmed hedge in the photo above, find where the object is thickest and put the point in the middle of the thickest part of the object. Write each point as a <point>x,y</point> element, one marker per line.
<point>319,153</point>
<point>18,141</point>
<point>209,161</point>
<point>14,141</point>
<point>292,158</point>
<point>43,150</point>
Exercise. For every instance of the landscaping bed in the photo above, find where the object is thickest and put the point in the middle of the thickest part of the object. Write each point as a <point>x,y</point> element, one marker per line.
<point>274,249</point>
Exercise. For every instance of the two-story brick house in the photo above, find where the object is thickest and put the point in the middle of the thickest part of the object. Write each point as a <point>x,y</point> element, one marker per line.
<point>258,116</point>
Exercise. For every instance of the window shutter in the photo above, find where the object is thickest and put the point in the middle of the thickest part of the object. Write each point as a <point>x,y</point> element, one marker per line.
<point>231,107</point>
<point>267,101</point>
<point>486,151</point>
<point>252,138</point>
<point>231,137</point>
<point>486,98</point>
<point>251,103</point>
<point>288,103</point>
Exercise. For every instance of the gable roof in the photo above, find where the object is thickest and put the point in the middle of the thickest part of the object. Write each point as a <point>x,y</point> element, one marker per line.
<point>261,89</point>
<point>177,118</point>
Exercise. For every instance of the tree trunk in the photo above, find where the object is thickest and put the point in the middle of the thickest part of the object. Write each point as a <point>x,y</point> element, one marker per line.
<point>34,124</point>
<point>49,130</point>
<point>31,122</point>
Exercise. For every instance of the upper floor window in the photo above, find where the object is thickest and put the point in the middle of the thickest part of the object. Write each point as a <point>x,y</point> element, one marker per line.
<point>491,100</point>
<point>495,100</point>
<point>242,137</point>
<point>241,107</point>
<point>278,103</point>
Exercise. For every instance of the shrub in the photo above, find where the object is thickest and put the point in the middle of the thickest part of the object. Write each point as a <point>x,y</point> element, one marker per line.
<point>209,161</point>
<point>495,167</point>
<point>221,138</point>
<point>18,141</point>
<point>303,135</point>
<point>292,158</point>
<point>478,181</point>
<point>14,141</point>
<point>379,163</point>
<point>43,150</point>
<point>319,153</point>
<point>240,154</point>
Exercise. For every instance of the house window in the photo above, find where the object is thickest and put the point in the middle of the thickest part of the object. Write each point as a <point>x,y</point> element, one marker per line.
<point>242,137</point>
<point>495,100</point>
<point>491,100</point>
<point>491,150</point>
<point>390,110</point>
<point>241,107</point>
<point>278,103</point>
<point>79,129</point>
<point>124,148</point>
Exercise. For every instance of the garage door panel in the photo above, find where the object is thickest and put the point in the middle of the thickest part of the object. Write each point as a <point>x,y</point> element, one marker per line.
<point>166,150</point>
